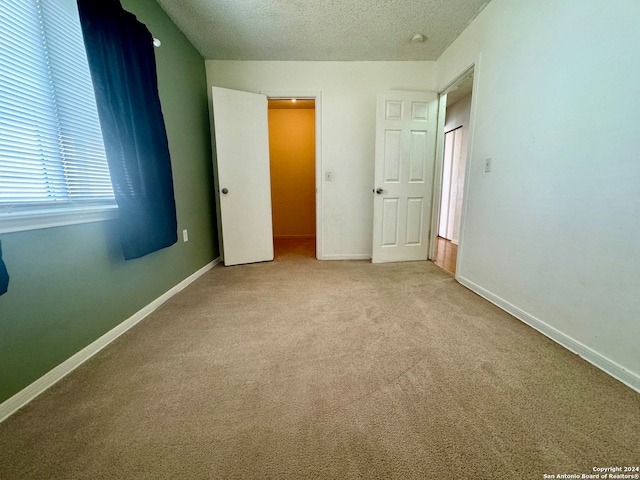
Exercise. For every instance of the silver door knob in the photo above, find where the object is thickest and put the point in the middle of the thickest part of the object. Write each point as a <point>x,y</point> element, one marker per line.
<point>379,191</point>
<point>225,191</point>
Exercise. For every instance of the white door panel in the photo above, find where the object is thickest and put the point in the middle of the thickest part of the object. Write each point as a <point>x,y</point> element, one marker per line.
<point>455,205</point>
<point>405,149</point>
<point>447,163</point>
<point>450,203</point>
<point>242,147</point>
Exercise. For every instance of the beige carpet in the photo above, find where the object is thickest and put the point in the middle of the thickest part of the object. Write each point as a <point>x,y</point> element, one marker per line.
<point>304,369</point>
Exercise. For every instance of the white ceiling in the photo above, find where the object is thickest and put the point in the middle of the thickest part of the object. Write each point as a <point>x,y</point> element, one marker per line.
<point>461,89</point>
<point>321,30</point>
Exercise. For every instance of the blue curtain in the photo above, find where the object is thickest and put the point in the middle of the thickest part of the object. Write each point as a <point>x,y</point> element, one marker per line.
<point>123,70</point>
<point>4,275</point>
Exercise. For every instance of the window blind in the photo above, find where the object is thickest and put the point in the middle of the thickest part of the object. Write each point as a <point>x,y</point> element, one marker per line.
<point>51,147</point>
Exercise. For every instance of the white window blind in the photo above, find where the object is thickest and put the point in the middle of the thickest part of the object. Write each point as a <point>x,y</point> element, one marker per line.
<point>51,148</point>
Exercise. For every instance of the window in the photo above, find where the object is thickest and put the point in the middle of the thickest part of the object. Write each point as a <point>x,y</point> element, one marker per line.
<point>53,168</point>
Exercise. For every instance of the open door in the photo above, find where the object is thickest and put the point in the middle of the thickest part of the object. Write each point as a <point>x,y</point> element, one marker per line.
<point>452,179</point>
<point>405,153</point>
<point>242,146</point>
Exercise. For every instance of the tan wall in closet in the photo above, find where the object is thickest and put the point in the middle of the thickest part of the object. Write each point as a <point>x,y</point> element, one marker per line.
<point>292,152</point>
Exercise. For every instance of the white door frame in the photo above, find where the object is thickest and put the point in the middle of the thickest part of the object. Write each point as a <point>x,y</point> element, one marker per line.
<point>437,179</point>
<point>317,96</point>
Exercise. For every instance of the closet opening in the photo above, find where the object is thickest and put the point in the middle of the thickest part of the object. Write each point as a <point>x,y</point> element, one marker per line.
<point>456,143</point>
<point>292,152</point>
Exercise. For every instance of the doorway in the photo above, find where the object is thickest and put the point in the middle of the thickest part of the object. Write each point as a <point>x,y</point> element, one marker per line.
<point>456,143</point>
<point>292,152</point>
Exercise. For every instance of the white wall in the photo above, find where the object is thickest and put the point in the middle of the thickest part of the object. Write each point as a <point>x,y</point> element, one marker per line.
<point>348,130</point>
<point>553,232</point>
<point>458,114</point>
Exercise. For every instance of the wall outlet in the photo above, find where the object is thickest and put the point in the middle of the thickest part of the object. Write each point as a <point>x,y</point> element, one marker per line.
<point>185,235</point>
<point>487,165</point>
<point>328,176</point>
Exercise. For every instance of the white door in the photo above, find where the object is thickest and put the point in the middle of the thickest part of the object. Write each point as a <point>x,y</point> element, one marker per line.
<point>443,224</point>
<point>405,151</point>
<point>244,183</point>
<point>452,184</point>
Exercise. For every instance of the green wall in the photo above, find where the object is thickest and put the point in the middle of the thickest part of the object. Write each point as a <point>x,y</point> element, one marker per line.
<point>69,285</point>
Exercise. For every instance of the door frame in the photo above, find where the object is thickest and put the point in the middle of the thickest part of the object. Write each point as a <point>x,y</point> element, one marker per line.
<point>317,96</point>
<point>439,161</point>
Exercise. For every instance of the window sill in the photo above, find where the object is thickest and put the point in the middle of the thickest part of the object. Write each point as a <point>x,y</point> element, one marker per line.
<point>21,220</point>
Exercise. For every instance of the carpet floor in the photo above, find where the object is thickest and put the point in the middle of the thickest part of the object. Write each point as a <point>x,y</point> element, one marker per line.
<point>304,369</point>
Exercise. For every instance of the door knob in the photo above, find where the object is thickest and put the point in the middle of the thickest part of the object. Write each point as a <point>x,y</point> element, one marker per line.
<point>379,191</point>
<point>225,191</point>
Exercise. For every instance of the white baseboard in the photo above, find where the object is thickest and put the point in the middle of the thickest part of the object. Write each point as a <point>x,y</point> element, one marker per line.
<point>346,256</point>
<point>608,366</point>
<point>24,396</point>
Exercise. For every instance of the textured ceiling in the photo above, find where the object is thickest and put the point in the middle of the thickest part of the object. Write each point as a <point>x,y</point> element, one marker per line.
<point>321,30</point>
